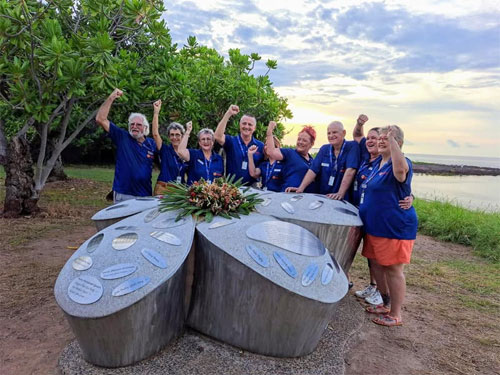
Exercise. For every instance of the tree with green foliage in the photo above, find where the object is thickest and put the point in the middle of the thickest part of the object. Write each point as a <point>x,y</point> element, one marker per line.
<point>60,59</point>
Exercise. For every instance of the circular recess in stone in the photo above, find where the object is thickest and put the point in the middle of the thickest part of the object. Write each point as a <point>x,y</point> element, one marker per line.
<point>82,263</point>
<point>166,237</point>
<point>285,264</point>
<point>153,214</point>
<point>118,271</point>
<point>85,290</point>
<point>327,274</point>
<point>296,198</point>
<point>287,207</point>
<point>128,227</point>
<point>130,286</point>
<point>310,274</point>
<point>258,255</point>
<point>345,211</point>
<point>169,223</point>
<point>124,241</point>
<point>287,236</point>
<point>114,207</point>
<point>94,243</point>
<point>154,257</point>
<point>316,204</point>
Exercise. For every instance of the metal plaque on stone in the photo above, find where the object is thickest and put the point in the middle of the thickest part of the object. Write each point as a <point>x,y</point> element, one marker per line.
<point>166,237</point>
<point>114,207</point>
<point>94,243</point>
<point>287,236</point>
<point>327,274</point>
<point>130,286</point>
<point>266,202</point>
<point>153,214</point>
<point>154,257</point>
<point>296,198</point>
<point>118,271</point>
<point>285,264</point>
<point>287,207</point>
<point>345,211</point>
<point>145,199</point>
<point>310,274</point>
<point>169,223</point>
<point>258,255</point>
<point>124,241</point>
<point>128,227</point>
<point>222,223</point>
<point>82,263</point>
<point>316,204</point>
<point>85,290</point>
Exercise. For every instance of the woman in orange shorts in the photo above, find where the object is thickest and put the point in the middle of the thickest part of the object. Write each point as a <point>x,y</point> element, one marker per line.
<point>390,230</point>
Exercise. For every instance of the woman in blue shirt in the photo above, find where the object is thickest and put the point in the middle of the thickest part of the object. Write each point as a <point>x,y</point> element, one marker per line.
<point>203,162</point>
<point>390,231</point>
<point>269,170</point>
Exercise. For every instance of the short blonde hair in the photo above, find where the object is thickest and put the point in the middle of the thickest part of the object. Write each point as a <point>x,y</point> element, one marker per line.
<point>399,135</point>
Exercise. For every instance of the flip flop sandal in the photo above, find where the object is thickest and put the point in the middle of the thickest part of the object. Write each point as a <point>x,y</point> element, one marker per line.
<point>379,309</point>
<point>388,321</point>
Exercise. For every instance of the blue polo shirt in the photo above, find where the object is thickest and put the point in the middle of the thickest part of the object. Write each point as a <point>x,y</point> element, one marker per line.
<point>271,175</point>
<point>330,169</point>
<point>199,167</point>
<point>363,151</point>
<point>364,172</point>
<point>237,155</point>
<point>295,167</point>
<point>134,163</point>
<point>380,211</point>
<point>172,167</point>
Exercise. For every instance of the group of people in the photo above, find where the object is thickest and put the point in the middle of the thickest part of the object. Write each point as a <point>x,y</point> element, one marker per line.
<point>370,172</point>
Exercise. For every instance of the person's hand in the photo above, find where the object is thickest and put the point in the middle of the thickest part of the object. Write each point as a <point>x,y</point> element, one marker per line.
<point>406,203</point>
<point>335,196</point>
<point>293,190</point>
<point>391,132</point>
<point>116,94</point>
<point>157,106</point>
<point>271,127</point>
<point>362,119</point>
<point>252,150</point>
<point>233,110</point>
<point>189,127</point>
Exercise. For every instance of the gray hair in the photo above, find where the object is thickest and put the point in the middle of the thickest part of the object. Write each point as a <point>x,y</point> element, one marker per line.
<point>206,131</point>
<point>175,126</point>
<point>399,135</point>
<point>336,123</point>
<point>145,122</point>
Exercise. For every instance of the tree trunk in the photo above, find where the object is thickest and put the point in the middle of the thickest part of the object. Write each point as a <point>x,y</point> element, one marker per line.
<point>57,173</point>
<point>21,198</point>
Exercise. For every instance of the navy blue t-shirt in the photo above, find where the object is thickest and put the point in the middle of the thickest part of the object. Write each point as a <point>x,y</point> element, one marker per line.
<point>172,167</point>
<point>363,151</point>
<point>199,167</point>
<point>364,172</point>
<point>379,209</point>
<point>330,169</point>
<point>295,167</point>
<point>271,175</point>
<point>237,155</point>
<point>134,163</point>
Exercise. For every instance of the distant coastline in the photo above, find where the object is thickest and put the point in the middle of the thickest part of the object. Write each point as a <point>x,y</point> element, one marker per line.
<point>454,170</point>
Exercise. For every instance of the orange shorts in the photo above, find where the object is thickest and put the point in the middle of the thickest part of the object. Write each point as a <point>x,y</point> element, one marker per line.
<point>387,251</point>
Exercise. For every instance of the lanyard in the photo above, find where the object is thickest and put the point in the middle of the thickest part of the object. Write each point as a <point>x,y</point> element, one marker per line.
<point>334,169</point>
<point>176,160</point>
<point>376,168</point>
<point>207,166</point>
<point>269,171</point>
<point>245,155</point>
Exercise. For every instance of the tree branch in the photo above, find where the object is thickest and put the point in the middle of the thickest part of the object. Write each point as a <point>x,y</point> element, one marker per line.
<point>26,126</point>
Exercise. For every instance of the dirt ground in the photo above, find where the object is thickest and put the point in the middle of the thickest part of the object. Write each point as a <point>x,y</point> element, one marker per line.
<point>437,337</point>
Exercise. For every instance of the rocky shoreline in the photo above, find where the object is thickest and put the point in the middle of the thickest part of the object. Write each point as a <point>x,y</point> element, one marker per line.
<point>454,170</point>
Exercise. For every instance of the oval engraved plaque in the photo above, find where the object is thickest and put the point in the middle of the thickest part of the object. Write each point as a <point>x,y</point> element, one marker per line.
<point>114,207</point>
<point>266,202</point>
<point>310,274</point>
<point>94,243</point>
<point>285,264</point>
<point>124,241</point>
<point>82,263</point>
<point>128,227</point>
<point>327,274</point>
<point>258,255</point>
<point>287,207</point>
<point>169,223</point>
<point>287,236</point>
<point>296,198</point>
<point>130,286</point>
<point>345,211</point>
<point>153,214</point>
<point>221,224</point>
<point>85,290</point>
<point>118,270</point>
<point>166,237</point>
<point>316,204</point>
<point>154,257</point>
<point>145,199</point>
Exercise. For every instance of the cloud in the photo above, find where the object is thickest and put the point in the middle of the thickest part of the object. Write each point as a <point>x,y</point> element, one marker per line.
<point>452,143</point>
<point>470,145</point>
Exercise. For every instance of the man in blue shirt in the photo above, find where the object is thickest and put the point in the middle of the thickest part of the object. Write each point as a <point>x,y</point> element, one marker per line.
<point>134,152</point>
<point>236,147</point>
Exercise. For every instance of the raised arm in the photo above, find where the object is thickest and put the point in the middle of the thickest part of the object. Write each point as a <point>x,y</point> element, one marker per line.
<point>102,115</point>
<point>155,131</point>
<point>182,150</point>
<point>399,164</point>
<point>252,169</point>
<point>358,133</point>
<point>306,181</point>
<point>220,132</point>
<point>349,175</point>
<point>272,151</point>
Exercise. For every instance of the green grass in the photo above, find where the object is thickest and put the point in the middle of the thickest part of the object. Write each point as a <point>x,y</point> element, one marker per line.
<point>449,222</point>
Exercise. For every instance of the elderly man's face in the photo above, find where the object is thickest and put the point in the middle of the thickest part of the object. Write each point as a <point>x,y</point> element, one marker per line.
<point>247,126</point>
<point>335,134</point>
<point>136,128</point>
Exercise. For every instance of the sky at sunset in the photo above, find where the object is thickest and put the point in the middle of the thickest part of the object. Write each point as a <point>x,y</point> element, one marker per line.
<point>430,66</point>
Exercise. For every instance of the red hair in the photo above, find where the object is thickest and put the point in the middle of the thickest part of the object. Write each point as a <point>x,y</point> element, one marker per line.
<point>310,131</point>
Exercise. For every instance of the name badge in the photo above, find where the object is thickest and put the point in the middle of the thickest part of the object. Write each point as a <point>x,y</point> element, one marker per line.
<point>325,164</point>
<point>355,185</point>
<point>331,181</point>
<point>244,165</point>
<point>201,162</point>
<point>362,198</point>
<point>277,170</point>
<point>178,179</point>
<point>364,186</point>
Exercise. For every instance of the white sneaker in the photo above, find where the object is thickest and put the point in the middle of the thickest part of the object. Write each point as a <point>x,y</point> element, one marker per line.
<point>375,299</point>
<point>367,292</point>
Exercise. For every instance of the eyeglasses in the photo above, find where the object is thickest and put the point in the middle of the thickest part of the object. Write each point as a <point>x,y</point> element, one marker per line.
<point>136,124</point>
<point>175,135</point>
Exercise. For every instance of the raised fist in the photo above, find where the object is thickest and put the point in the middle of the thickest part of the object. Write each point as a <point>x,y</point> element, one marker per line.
<point>189,127</point>
<point>252,149</point>
<point>271,127</point>
<point>362,119</point>
<point>233,110</point>
<point>116,94</point>
<point>157,106</point>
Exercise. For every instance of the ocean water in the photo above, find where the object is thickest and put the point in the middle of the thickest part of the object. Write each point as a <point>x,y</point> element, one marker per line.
<point>477,161</point>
